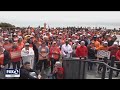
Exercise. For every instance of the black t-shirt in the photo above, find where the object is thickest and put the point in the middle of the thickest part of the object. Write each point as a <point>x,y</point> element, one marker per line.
<point>24,73</point>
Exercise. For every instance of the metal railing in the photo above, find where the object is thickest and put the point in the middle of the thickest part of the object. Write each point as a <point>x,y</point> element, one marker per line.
<point>105,65</point>
<point>103,62</point>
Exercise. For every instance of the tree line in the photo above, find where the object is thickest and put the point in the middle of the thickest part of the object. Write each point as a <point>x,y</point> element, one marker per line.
<point>2,24</point>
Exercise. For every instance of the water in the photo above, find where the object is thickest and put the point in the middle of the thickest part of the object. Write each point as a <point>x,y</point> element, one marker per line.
<point>79,24</point>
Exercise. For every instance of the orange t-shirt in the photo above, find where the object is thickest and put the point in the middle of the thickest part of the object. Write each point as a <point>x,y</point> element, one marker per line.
<point>54,52</point>
<point>15,54</point>
<point>7,46</point>
<point>102,48</point>
<point>97,44</point>
<point>21,45</point>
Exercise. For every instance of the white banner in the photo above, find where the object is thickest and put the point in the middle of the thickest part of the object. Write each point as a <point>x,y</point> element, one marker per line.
<point>103,53</point>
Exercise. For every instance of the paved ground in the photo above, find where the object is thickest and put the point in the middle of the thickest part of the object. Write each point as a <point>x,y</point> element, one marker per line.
<point>94,75</point>
<point>90,74</point>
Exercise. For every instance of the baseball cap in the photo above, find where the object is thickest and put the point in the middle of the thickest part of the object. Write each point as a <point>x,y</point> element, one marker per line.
<point>60,33</point>
<point>14,34</point>
<point>76,40</point>
<point>83,42</point>
<point>54,41</point>
<point>6,39</point>
<point>89,35</point>
<point>58,63</point>
<point>115,43</point>
<point>105,42</point>
<point>95,36</point>
<point>27,44</point>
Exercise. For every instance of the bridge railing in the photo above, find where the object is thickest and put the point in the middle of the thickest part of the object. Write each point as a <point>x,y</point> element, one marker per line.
<point>78,66</point>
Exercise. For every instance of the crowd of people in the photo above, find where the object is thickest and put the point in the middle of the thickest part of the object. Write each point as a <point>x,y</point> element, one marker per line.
<point>34,48</point>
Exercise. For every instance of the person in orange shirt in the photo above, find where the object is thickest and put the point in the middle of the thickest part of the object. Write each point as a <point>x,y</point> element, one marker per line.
<point>54,54</point>
<point>7,44</point>
<point>20,43</point>
<point>96,42</point>
<point>15,54</point>
<point>103,47</point>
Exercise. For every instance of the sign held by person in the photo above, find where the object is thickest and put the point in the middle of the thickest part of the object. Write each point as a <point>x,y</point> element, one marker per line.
<point>103,53</point>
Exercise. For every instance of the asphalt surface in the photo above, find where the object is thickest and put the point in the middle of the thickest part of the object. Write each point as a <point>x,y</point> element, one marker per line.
<point>89,74</point>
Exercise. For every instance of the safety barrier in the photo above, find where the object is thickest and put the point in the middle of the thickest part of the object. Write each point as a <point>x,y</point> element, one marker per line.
<point>75,68</point>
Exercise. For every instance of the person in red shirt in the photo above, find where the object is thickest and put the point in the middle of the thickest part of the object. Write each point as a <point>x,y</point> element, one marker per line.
<point>4,59</point>
<point>15,54</point>
<point>82,50</point>
<point>54,54</point>
<point>118,58</point>
<point>113,49</point>
<point>58,71</point>
<point>7,46</point>
<point>15,37</point>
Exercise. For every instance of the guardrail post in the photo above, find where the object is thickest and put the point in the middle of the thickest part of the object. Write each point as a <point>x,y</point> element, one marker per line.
<point>112,65</point>
<point>84,69</point>
<point>104,68</point>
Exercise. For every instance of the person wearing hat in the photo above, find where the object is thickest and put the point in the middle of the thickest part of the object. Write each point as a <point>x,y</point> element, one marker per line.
<point>105,48</point>
<point>15,54</point>
<point>15,38</point>
<point>54,54</point>
<point>66,50</point>
<point>58,71</point>
<point>96,42</point>
<point>27,54</point>
<point>7,44</point>
<point>111,40</point>
<point>113,49</point>
<point>74,46</point>
<point>82,51</point>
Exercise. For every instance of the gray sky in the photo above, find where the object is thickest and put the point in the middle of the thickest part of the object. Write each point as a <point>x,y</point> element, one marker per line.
<point>59,18</point>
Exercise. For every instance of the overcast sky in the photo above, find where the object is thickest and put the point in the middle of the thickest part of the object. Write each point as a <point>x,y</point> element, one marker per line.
<point>56,18</point>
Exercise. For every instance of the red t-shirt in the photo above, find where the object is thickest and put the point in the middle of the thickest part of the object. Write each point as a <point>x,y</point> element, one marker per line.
<point>81,51</point>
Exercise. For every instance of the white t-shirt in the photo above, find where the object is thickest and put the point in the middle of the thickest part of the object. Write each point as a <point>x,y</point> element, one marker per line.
<point>68,49</point>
